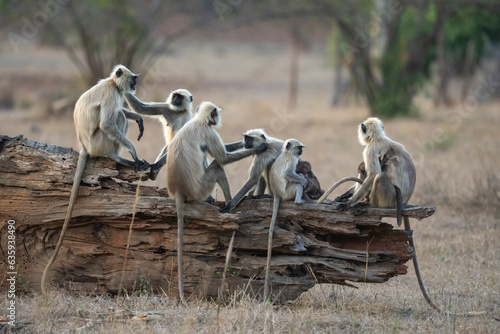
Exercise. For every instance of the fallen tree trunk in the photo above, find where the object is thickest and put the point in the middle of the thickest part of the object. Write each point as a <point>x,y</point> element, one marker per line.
<point>312,243</point>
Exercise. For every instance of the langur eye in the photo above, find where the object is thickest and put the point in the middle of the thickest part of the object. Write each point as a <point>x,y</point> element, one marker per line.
<point>191,98</point>
<point>363,128</point>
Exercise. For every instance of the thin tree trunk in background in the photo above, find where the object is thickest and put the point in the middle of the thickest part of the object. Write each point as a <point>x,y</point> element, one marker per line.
<point>339,84</point>
<point>443,72</point>
<point>294,67</point>
<point>469,60</point>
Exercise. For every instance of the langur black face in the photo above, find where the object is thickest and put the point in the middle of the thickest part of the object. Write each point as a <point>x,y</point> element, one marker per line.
<point>177,99</point>
<point>363,128</point>
<point>248,140</point>
<point>133,82</point>
<point>294,148</point>
<point>299,151</point>
<point>214,117</point>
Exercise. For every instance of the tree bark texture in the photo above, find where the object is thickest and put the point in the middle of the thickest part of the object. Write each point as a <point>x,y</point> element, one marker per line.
<point>312,243</point>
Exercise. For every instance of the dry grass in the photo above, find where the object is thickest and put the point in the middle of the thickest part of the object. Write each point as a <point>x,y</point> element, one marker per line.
<point>458,247</point>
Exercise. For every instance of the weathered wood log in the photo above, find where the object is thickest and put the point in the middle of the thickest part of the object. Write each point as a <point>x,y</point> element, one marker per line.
<point>312,243</point>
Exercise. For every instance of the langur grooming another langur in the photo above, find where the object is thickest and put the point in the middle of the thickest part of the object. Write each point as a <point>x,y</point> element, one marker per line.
<point>174,113</point>
<point>101,127</point>
<point>261,164</point>
<point>285,184</point>
<point>189,177</point>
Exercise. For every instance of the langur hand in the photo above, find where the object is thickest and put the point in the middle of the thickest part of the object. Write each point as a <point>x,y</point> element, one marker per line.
<point>261,148</point>
<point>141,166</point>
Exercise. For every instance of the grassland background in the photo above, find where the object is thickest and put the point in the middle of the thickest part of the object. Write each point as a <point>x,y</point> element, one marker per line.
<point>456,156</point>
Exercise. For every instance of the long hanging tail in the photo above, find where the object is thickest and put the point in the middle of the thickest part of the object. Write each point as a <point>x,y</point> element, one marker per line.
<point>399,205</point>
<point>179,203</point>
<point>335,185</point>
<point>82,160</point>
<point>417,270</point>
<point>226,265</point>
<point>267,282</point>
<point>421,283</point>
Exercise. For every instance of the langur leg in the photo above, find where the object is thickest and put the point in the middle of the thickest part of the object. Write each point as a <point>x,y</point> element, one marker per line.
<point>215,174</point>
<point>117,133</point>
<point>161,160</point>
<point>141,165</point>
<point>261,186</point>
<point>298,193</point>
<point>251,182</point>
<point>383,194</point>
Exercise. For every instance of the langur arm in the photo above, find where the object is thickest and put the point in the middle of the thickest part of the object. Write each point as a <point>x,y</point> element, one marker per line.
<point>218,151</point>
<point>231,147</point>
<point>137,118</point>
<point>373,167</point>
<point>292,176</point>
<point>110,128</point>
<point>150,109</point>
<point>363,191</point>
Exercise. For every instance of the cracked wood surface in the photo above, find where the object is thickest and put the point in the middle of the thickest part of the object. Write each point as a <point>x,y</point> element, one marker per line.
<point>312,243</point>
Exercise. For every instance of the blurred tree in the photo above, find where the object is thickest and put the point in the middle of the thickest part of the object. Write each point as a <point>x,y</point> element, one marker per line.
<point>391,51</point>
<point>97,34</point>
<point>389,45</point>
<point>466,32</point>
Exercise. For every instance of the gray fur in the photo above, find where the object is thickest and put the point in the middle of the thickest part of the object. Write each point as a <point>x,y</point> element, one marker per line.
<point>188,176</point>
<point>101,127</point>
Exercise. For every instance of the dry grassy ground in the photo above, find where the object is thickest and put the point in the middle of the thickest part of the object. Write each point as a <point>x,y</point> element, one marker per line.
<point>455,153</point>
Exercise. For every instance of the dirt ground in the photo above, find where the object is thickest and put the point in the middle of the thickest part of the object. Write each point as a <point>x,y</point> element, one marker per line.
<point>455,152</point>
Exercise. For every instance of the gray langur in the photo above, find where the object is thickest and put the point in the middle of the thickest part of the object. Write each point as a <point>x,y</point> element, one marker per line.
<point>390,172</point>
<point>261,164</point>
<point>189,177</point>
<point>387,175</point>
<point>101,127</point>
<point>174,113</point>
<point>388,184</point>
<point>285,184</point>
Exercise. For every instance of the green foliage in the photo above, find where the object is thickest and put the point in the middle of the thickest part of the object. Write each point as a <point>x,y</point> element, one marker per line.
<point>470,23</point>
<point>144,285</point>
<point>390,78</point>
<point>25,286</point>
<point>400,81</point>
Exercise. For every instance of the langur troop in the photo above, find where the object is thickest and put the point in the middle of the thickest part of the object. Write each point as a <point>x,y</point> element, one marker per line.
<point>195,156</point>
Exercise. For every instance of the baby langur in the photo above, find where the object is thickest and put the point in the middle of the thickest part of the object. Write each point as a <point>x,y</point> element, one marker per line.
<point>285,184</point>
<point>313,190</point>
<point>189,177</point>
<point>261,164</point>
<point>362,176</point>
<point>175,111</point>
<point>101,127</point>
